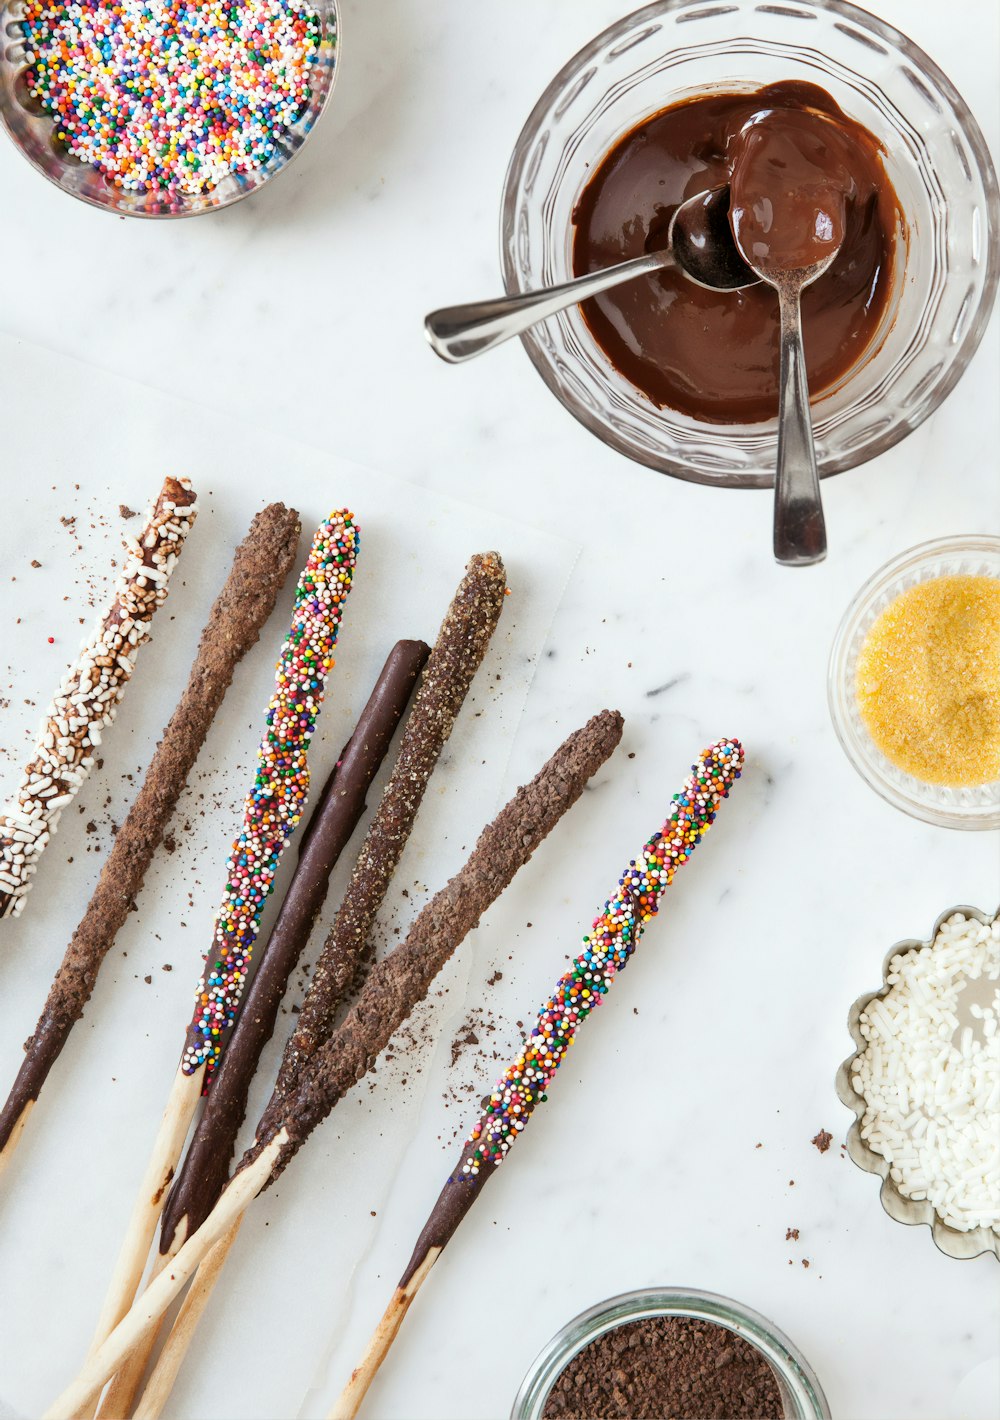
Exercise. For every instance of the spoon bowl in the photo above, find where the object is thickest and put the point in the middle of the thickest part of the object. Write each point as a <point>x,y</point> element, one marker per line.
<point>699,240</point>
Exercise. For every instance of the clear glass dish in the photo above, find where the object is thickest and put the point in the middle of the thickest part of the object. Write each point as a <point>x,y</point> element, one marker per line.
<point>977,807</point>
<point>32,132</point>
<point>801,1393</point>
<point>946,272</point>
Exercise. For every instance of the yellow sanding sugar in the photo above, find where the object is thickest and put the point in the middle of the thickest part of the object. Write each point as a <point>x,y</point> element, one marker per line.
<point>928,681</point>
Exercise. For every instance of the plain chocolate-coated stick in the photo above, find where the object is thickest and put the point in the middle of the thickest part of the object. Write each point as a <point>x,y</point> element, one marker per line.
<point>205,1169</point>
<point>459,648</point>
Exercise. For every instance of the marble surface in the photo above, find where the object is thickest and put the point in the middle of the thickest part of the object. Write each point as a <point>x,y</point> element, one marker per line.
<point>294,320</point>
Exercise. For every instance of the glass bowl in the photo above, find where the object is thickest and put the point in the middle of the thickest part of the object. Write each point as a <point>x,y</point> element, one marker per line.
<point>801,1393</point>
<point>950,1241</point>
<point>31,130</point>
<point>977,807</point>
<point>946,271</point>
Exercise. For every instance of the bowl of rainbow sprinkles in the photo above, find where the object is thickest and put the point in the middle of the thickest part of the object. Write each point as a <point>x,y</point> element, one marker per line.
<point>165,108</point>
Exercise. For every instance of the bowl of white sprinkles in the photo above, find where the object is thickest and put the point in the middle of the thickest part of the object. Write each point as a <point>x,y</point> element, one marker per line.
<point>924,1083</point>
<point>164,108</point>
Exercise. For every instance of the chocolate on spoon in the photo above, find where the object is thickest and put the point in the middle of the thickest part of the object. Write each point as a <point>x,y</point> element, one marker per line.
<point>698,239</point>
<point>791,183</point>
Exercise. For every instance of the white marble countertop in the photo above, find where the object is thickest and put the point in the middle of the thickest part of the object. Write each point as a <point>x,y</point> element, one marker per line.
<point>294,318</point>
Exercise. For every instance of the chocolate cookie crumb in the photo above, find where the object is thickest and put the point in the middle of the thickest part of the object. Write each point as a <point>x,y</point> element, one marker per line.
<point>792,1235</point>
<point>823,1141</point>
<point>666,1366</point>
<point>124,511</point>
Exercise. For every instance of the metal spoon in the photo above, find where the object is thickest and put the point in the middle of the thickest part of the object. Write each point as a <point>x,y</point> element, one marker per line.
<point>799,525</point>
<point>699,241</point>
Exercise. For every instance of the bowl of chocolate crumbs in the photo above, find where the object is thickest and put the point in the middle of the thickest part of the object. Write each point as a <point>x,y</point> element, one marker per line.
<point>670,1354</point>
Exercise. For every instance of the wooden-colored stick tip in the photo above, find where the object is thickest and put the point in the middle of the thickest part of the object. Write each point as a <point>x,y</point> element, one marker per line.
<point>349,1402</point>
<point>9,1149</point>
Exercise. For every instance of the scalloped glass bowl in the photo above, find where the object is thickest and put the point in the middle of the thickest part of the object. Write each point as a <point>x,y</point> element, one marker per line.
<point>934,803</point>
<point>801,1393</point>
<point>31,131</point>
<point>946,272</point>
<point>950,1241</point>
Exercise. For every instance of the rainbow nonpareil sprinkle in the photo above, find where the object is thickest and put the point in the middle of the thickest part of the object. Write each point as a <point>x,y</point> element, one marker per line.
<point>170,96</point>
<point>606,950</point>
<point>274,805</point>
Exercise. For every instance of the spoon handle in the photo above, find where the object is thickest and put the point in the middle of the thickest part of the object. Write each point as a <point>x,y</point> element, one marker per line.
<point>799,526</point>
<point>458,333</point>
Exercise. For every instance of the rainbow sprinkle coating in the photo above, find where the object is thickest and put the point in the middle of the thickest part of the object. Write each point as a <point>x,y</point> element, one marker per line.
<point>274,805</point>
<point>606,950</point>
<point>170,96</point>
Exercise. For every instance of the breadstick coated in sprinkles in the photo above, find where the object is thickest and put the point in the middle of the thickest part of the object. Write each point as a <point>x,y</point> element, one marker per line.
<point>606,950</point>
<point>274,805</point>
<point>87,700</point>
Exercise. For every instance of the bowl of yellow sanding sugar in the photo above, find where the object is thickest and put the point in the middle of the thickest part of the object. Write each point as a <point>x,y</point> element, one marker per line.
<point>914,682</point>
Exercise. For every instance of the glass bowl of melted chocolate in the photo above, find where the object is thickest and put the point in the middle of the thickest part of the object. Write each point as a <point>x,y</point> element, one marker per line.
<point>824,124</point>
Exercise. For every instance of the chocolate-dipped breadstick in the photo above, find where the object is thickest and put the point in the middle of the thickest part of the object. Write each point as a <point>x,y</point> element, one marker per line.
<point>393,988</point>
<point>87,700</point>
<point>458,652</point>
<point>272,811</point>
<point>613,938</point>
<point>461,643</point>
<point>260,566</point>
<point>402,979</point>
<point>205,1169</point>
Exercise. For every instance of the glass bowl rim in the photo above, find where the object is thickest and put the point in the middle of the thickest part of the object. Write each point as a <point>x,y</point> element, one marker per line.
<point>972,337</point>
<point>334,9</point>
<point>793,1370</point>
<point>837,690</point>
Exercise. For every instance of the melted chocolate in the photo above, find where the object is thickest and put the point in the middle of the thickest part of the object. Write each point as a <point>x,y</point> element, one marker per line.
<point>713,355</point>
<point>793,176</point>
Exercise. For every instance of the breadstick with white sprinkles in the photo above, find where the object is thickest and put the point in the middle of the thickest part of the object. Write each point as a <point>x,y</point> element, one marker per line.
<point>272,810</point>
<point>505,1114</point>
<point>87,700</point>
